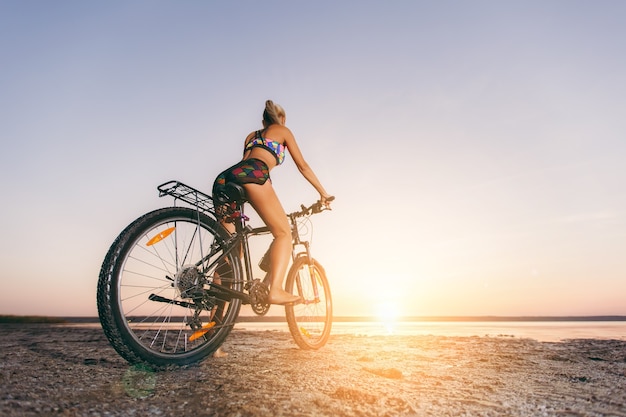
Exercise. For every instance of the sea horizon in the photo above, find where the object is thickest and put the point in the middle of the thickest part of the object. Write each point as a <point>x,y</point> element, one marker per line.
<point>7,318</point>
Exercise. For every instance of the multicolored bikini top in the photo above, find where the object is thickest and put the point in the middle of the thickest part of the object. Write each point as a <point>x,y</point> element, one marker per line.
<point>276,148</point>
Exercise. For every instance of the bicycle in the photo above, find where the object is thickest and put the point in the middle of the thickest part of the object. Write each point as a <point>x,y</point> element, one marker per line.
<point>172,283</point>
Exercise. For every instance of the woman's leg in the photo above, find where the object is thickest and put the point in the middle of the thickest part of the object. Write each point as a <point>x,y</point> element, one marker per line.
<point>218,310</point>
<point>264,200</point>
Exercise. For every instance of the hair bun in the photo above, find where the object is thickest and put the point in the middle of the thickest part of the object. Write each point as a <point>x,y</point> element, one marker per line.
<point>273,113</point>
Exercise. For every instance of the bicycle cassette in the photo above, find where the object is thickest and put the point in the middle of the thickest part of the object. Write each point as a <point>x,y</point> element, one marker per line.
<point>188,281</point>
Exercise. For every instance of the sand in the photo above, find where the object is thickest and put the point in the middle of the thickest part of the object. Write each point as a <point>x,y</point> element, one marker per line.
<point>72,371</point>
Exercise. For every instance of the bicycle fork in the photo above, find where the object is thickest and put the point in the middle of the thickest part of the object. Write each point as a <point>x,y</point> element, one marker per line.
<point>312,276</point>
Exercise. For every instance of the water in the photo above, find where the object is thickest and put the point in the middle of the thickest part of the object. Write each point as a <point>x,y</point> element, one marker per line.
<point>545,331</point>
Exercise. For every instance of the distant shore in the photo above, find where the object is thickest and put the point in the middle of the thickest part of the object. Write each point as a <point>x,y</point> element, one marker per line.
<point>9,319</point>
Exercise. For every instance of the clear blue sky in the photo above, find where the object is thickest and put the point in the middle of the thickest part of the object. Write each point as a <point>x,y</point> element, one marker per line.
<point>475,148</point>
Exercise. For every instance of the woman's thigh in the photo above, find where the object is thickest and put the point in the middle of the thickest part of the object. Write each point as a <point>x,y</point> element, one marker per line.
<point>265,202</point>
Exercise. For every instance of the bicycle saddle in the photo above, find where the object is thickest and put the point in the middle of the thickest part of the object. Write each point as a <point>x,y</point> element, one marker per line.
<point>233,193</point>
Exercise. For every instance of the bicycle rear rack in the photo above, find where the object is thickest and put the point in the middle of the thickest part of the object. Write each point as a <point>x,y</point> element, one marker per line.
<point>190,195</point>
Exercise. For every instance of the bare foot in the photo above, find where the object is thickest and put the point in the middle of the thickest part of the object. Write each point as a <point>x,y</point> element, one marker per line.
<point>220,353</point>
<point>281,297</point>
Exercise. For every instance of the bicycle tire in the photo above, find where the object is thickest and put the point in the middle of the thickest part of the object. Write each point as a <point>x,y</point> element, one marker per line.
<point>143,268</point>
<point>310,322</point>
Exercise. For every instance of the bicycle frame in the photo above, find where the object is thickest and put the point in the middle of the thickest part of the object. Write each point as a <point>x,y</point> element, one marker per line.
<point>243,232</point>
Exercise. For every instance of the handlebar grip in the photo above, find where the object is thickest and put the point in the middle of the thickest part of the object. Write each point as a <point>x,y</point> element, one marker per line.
<point>319,206</point>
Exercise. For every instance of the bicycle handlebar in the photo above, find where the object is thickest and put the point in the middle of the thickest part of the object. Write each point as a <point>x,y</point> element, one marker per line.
<point>314,208</point>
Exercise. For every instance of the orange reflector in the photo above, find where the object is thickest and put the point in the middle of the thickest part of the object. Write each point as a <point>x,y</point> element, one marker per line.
<point>305,332</point>
<point>199,333</point>
<point>160,236</point>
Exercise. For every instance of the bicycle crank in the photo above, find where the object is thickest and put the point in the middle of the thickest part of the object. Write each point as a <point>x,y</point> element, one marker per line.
<point>259,293</point>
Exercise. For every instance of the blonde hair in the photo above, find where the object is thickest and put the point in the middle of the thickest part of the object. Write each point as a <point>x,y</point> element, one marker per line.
<point>273,113</point>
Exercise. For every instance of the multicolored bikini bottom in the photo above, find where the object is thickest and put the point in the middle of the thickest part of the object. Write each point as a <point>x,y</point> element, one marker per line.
<point>249,171</point>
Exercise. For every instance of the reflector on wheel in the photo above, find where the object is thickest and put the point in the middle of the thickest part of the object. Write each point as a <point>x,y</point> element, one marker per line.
<point>160,236</point>
<point>199,333</point>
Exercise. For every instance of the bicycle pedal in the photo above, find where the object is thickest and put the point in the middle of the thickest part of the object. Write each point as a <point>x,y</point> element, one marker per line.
<point>199,333</point>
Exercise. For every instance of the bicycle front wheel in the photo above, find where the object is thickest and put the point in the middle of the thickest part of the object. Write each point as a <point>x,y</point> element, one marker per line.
<point>309,322</point>
<point>155,298</point>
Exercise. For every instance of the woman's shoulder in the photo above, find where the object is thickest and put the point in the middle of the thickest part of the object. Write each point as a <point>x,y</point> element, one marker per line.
<point>278,132</point>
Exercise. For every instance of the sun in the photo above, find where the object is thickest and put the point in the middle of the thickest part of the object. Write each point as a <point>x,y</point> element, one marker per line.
<point>387,313</point>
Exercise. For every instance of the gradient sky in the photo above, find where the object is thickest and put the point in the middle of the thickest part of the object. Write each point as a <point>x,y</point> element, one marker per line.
<point>476,149</point>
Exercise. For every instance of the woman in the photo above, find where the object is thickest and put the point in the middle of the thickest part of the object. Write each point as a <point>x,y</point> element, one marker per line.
<point>263,150</point>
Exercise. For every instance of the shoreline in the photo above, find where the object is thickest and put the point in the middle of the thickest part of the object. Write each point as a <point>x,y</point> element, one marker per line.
<point>7,318</point>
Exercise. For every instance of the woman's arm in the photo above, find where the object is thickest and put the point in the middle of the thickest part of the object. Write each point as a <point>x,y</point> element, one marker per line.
<point>303,166</point>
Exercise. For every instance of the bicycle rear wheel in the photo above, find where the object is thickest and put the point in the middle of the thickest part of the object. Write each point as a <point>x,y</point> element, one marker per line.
<point>154,297</point>
<point>309,322</point>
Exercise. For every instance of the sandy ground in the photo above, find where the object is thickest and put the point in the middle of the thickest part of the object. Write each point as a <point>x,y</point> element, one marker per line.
<point>70,371</point>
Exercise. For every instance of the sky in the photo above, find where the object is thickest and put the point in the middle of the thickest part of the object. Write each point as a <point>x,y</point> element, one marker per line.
<point>475,148</point>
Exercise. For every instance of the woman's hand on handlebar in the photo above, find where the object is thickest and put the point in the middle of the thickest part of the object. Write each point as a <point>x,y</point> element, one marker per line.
<point>325,201</point>
<point>320,205</point>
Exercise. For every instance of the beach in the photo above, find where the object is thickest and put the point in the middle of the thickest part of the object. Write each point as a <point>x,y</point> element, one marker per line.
<point>73,371</point>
